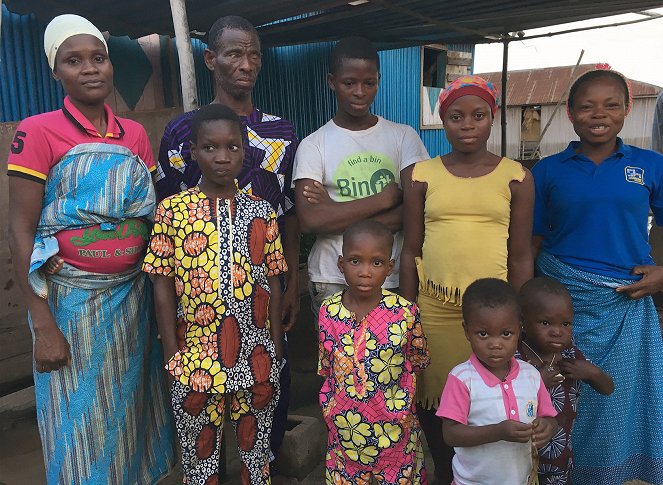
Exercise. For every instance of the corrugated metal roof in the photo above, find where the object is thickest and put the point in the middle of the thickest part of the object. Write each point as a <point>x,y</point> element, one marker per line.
<point>548,86</point>
<point>301,21</point>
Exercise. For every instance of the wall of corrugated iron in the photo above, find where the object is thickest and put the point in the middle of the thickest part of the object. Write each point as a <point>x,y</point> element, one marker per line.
<point>293,84</point>
<point>27,87</point>
<point>399,97</point>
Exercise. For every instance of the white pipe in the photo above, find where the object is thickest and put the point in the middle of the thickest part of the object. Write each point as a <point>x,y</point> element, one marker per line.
<point>185,54</point>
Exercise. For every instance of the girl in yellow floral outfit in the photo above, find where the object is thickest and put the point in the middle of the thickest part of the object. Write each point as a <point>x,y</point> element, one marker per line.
<point>371,345</point>
<point>218,252</point>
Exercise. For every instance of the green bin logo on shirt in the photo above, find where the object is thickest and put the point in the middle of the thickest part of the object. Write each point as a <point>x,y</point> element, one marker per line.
<point>362,175</point>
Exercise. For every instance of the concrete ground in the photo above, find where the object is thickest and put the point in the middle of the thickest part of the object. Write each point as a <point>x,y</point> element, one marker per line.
<point>21,460</point>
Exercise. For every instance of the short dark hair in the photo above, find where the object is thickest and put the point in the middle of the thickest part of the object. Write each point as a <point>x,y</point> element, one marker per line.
<point>213,112</point>
<point>229,22</point>
<point>594,75</point>
<point>352,48</point>
<point>488,293</point>
<point>370,227</point>
<point>532,291</point>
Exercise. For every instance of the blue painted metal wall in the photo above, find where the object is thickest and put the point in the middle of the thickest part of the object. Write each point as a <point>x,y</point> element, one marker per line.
<point>399,96</point>
<point>26,85</point>
<point>293,84</point>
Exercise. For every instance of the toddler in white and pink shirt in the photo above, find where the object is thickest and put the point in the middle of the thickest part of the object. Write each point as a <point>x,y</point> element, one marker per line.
<point>494,407</point>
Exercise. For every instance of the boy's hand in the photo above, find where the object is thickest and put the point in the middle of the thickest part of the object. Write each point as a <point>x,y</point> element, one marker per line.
<point>278,346</point>
<point>515,431</point>
<point>392,195</point>
<point>578,369</point>
<point>589,373</point>
<point>316,193</point>
<point>290,307</point>
<point>544,429</point>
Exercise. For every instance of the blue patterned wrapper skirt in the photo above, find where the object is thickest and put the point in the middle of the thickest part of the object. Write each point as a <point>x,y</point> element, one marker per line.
<point>105,419</point>
<point>617,437</point>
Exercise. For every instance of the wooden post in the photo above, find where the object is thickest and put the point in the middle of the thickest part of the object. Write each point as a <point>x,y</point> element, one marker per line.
<point>505,69</point>
<point>185,54</point>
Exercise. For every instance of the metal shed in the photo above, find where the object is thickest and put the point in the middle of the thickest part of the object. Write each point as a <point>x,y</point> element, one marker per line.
<point>540,90</point>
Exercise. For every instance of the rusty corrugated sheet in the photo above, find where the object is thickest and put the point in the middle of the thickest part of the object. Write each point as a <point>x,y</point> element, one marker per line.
<point>548,85</point>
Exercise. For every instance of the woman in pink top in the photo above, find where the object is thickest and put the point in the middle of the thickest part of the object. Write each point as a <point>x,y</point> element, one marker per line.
<point>80,186</point>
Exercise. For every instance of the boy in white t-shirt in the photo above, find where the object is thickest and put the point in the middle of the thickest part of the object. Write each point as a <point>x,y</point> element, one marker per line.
<point>350,168</point>
<point>495,408</point>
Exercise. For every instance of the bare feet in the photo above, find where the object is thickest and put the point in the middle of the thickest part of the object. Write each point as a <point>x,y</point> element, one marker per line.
<point>53,265</point>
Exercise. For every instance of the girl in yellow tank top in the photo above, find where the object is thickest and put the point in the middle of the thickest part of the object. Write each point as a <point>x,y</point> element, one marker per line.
<point>468,215</point>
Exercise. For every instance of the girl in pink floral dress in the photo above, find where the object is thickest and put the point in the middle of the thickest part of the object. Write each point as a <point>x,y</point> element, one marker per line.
<point>371,346</point>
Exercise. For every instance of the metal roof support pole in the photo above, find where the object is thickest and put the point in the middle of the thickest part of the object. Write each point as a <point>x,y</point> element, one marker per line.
<point>505,62</point>
<point>185,54</point>
<point>572,78</point>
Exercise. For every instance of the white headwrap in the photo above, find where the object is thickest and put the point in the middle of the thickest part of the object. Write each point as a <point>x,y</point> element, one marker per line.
<point>64,26</point>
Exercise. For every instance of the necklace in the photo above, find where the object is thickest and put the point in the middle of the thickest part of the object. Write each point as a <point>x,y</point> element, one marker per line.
<point>552,362</point>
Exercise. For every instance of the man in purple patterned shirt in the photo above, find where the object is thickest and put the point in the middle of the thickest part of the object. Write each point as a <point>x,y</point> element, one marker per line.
<point>270,142</point>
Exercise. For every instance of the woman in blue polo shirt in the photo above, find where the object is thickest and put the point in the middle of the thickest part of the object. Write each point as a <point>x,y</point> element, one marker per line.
<point>590,220</point>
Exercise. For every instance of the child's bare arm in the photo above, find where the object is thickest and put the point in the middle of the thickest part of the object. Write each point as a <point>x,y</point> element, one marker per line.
<point>275,314</point>
<point>165,306</point>
<point>392,218</point>
<point>458,434</point>
<point>588,372</point>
